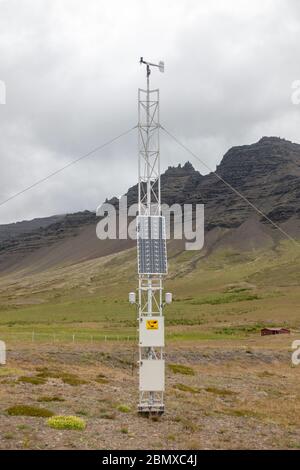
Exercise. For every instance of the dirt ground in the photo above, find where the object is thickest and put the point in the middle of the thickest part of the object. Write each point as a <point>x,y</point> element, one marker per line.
<point>233,395</point>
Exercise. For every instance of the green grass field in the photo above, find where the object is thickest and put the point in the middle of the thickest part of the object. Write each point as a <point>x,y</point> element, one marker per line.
<point>72,352</point>
<point>225,295</point>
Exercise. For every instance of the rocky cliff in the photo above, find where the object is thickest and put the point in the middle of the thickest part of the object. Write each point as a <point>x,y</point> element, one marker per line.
<point>267,173</point>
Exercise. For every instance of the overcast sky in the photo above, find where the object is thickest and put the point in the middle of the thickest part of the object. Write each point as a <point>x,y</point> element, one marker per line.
<point>71,73</point>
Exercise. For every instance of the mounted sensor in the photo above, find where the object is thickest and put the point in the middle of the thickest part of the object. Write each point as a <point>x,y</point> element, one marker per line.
<point>161,66</point>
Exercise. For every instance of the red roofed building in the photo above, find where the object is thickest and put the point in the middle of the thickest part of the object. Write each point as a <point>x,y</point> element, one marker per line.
<point>274,331</point>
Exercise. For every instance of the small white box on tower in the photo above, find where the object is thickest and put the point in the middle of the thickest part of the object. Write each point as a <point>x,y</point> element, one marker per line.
<point>152,331</point>
<point>152,375</point>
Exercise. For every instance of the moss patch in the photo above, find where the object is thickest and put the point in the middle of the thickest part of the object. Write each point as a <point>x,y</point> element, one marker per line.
<point>4,371</point>
<point>24,410</point>
<point>101,379</point>
<point>32,380</point>
<point>220,391</point>
<point>124,408</point>
<point>48,399</point>
<point>186,388</point>
<point>241,413</point>
<point>180,369</point>
<point>70,379</point>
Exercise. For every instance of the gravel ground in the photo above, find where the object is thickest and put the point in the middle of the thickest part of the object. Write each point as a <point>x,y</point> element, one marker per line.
<point>240,397</point>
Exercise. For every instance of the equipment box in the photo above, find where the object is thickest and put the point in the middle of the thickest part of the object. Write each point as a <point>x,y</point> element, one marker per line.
<point>152,332</point>
<point>152,375</point>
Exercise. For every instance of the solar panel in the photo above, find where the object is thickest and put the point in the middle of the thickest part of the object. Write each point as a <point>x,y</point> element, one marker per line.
<point>151,243</point>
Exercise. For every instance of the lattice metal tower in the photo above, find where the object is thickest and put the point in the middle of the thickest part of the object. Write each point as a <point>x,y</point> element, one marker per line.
<point>152,257</point>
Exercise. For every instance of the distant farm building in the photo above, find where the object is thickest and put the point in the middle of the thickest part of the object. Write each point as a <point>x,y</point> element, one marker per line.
<point>274,331</point>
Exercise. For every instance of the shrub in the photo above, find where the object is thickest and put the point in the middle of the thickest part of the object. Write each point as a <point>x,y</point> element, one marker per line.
<point>124,408</point>
<point>24,410</point>
<point>66,422</point>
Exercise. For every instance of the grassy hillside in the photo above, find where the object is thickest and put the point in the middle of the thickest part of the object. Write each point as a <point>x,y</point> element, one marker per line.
<point>227,387</point>
<point>225,294</point>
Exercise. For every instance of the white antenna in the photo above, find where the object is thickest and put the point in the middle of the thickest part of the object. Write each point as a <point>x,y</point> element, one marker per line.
<point>152,255</point>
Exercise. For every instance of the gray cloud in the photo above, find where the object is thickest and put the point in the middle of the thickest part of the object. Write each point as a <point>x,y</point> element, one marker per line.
<point>71,72</point>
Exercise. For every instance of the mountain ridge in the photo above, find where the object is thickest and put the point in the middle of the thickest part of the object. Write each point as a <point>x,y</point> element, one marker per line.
<point>267,173</point>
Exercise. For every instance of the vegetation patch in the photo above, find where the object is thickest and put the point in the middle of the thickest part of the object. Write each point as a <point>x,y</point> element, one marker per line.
<point>266,373</point>
<point>188,424</point>
<point>185,321</point>
<point>82,412</point>
<point>9,382</point>
<point>24,427</point>
<point>181,369</point>
<point>24,410</point>
<point>70,379</point>
<point>107,415</point>
<point>293,445</point>
<point>5,371</point>
<point>101,379</point>
<point>32,380</point>
<point>66,422</point>
<point>241,413</point>
<point>48,399</point>
<point>186,388</point>
<point>220,391</point>
<point>124,408</point>
<point>225,298</point>
<point>246,329</point>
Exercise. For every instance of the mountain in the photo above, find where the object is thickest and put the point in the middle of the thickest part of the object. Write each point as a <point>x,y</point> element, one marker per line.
<point>267,173</point>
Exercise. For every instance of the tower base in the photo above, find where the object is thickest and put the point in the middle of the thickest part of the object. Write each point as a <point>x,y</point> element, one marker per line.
<point>150,410</point>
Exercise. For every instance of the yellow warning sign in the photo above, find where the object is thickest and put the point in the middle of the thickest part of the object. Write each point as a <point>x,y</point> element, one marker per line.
<point>152,324</point>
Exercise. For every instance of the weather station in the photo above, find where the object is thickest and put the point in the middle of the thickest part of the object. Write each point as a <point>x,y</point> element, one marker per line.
<point>151,253</point>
